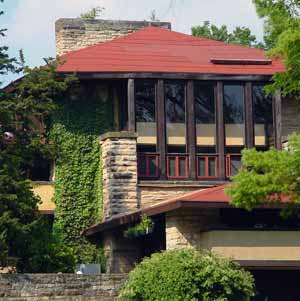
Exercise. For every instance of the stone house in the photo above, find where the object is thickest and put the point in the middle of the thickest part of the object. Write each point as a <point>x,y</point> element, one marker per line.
<point>183,109</point>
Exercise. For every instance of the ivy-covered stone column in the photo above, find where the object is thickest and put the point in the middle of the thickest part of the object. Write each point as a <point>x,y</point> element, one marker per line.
<point>119,167</point>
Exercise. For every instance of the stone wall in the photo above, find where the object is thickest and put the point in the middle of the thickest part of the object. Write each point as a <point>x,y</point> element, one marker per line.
<point>151,194</point>
<point>183,227</point>
<point>119,167</point>
<point>28,287</point>
<point>73,34</point>
<point>290,117</point>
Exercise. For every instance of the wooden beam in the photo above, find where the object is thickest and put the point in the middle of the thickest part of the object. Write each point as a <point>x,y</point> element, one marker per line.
<point>164,75</point>
<point>191,128</point>
<point>249,125</point>
<point>277,119</point>
<point>220,129</point>
<point>161,128</point>
<point>131,105</point>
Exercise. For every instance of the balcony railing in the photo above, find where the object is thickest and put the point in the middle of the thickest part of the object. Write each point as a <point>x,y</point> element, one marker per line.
<point>178,166</point>
<point>148,165</point>
<point>207,166</point>
<point>233,164</point>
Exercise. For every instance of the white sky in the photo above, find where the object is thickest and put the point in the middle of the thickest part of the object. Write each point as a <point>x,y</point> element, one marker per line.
<point>30,23</point>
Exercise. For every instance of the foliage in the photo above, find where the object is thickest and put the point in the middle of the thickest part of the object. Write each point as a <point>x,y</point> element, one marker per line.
<point>29,100</point>
<point>44,253</point>
<point>240,35</point>
<point>93,13</point>
<point>153,16</point>
<point>186,275</point>
<point>268,176</point>
<point>144,227</point>
<point>282,34</point>
<point>75,133</point>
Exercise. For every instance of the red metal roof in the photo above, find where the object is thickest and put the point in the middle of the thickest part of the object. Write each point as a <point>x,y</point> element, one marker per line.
<point>154,49</point>
<point>214,197</point>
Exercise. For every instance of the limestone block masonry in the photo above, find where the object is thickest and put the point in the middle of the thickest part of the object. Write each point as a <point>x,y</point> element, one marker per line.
<point>119,170</point>
<point>74,34</point>
<point>29,287</point>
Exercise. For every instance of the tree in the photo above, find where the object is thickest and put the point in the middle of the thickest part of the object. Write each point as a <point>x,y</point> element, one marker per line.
<point>93,13</point>
<point>282,34</point>
<point>268,177</point>
<point>240,35</point>
<point>153,17</point>
<point>27,102</point>
<point>188,275</point>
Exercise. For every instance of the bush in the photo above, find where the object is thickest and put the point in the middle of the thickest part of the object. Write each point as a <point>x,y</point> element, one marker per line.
<point>188,275</point>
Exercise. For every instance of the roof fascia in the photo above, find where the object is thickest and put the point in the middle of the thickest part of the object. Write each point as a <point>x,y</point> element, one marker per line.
<point>163,75</point>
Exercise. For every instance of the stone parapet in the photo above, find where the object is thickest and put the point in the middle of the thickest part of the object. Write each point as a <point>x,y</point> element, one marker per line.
<point>119,168</point>
<point>29,287</point>
<point>73,34</point>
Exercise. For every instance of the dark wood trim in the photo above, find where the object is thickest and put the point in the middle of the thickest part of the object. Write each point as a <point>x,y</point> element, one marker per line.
<point>191,128</point>
<point>225,61</point>
<point>161,128</point>
<point>277,119</point>
<point>163,75</point>
<point>270,264</point>
<point>131,105</point>
<point>249,125</point>
<point>220,129</point>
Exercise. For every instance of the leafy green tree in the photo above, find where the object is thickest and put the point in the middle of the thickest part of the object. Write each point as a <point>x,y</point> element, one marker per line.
<point>93,13</point>
<point>268,177</point>
<point>282,35</point>
<point>239,36</point>
<point>26,103</point>
<point>188,275</point>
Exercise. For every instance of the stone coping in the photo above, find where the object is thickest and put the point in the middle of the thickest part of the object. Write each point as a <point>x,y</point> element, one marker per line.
<point>167,184</point>
<point>79,23</point>
<point>125,135</point>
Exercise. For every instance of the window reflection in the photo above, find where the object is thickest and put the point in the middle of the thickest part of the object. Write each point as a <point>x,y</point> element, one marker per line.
<point>175,116</point>
<point>263,117</point>
<point>145,111</point>
<point>205,116</point>
<point>234,114</point>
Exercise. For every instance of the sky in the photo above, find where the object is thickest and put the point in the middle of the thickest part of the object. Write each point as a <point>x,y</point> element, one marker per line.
<point>30,23</point>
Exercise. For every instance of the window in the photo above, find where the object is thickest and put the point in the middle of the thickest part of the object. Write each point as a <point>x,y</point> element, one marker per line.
<point>234,115</point>
<point>175,116</point>
<point>205,116</point>
<point>263,117</point>
<point>145,111</point>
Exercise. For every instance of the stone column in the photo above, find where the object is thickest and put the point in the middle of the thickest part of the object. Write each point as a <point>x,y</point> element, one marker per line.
<point>184,227</point>
<point>119,167</point>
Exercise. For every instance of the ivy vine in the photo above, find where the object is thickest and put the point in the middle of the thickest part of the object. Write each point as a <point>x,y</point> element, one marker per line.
<point>75,134</point>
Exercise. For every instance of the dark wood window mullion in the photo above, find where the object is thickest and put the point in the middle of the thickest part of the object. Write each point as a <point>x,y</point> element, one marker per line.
<point>277,121</point>
<point>249,124</point>
<point>220,128</point>
<point>161,127</point>
<point>191,128</point>
<point>131,105</point>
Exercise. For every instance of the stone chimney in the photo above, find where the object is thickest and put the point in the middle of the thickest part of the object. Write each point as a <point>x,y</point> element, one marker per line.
<point>73,34</point>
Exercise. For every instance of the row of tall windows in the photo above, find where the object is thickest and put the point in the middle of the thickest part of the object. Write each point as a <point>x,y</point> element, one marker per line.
<point>205,122</point>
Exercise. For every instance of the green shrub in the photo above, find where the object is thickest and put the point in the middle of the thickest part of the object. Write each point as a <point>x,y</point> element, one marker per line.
<point>188,275</point>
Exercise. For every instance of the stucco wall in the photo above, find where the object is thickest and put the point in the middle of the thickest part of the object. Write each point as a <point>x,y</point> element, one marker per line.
<point>28,287</point>
<point>46,192</point>
<point>253,245</point>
